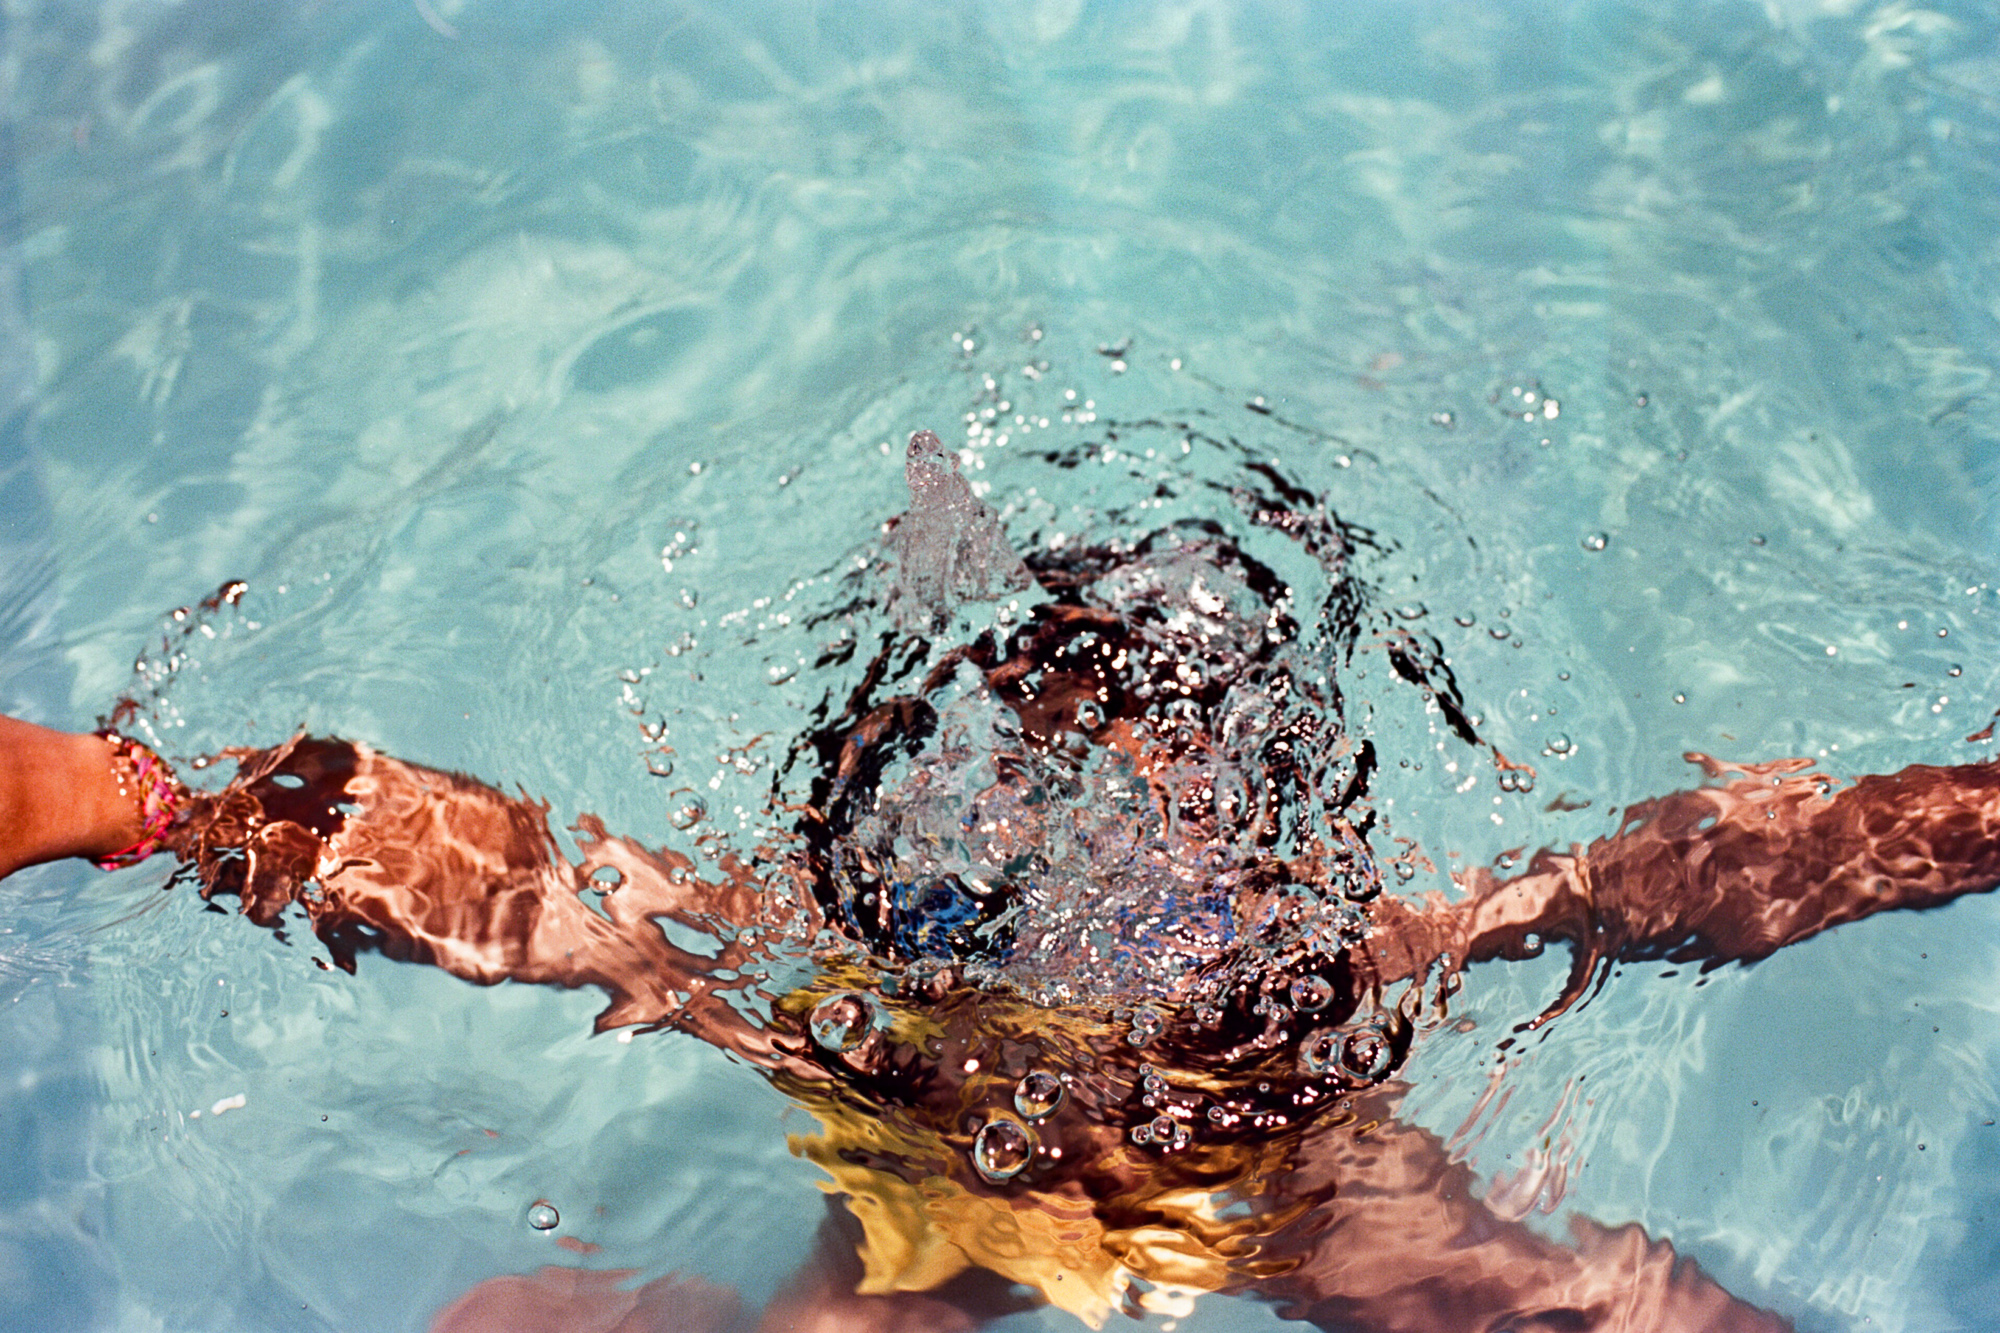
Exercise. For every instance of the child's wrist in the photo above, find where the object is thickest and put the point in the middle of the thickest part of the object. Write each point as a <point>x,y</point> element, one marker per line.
<point>146,804</point>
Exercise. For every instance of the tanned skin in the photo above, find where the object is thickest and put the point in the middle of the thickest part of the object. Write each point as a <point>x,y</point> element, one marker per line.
<point>439,868</point>
<point>59,797</point>
<point>1283,1179</point>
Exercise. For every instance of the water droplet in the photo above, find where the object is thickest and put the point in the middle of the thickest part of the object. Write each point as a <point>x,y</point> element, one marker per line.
<point>688,811</point>
<point>1405,871</point>
<point>1319,1052</point>
<point>1311,992</point>
<point>1147,1023</point>
<point>1559,744</point>
<point>1640,400</point>
<point>1002,1149</point>
<point>1464,622</point>
<point>1366,1052</point>
<point>1038,1094</point>
<point>1413,611</point>
<point>543,1216</point>
<point>1955,670</point>
<point>842,1021</point>
<point>1596,541</point>
<point>1531,943</point>
<point>1363,885</point>
<point>1680,698</point>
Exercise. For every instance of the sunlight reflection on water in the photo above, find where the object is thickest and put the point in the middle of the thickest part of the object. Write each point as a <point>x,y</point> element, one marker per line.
<point>504,350</point>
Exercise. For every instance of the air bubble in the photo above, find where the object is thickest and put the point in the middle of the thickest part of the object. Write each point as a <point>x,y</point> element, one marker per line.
<point>1413,611</point>
<point>1363,885</point>
<point>1596,541</point>
<point>1560,744</point>
<point>1039,1094</point>
<point>1311,992</point>
<point>1089,715</point>
<point>1002,1149</point>
<point>1147,1023</point>
<point>688,811</point>
<point>1319,1053</point>
<point>842,1021</point>
<point>543,1216</point>
<point>1367,1053</point>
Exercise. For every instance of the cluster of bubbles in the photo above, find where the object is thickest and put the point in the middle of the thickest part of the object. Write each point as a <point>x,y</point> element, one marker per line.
<point>1077,870</point>
<point>1360,1051</point>
<point>1164,1130</point>
<point>1004,1146</point>
<point>1136,796</point>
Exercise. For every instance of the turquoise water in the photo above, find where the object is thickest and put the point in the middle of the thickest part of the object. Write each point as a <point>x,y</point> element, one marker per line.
<point>542,368</point>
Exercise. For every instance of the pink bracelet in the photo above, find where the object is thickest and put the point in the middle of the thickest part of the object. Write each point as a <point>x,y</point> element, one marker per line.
<point>157,790</point>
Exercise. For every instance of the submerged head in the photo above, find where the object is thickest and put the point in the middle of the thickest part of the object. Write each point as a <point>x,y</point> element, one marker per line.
<point>1140,801</point>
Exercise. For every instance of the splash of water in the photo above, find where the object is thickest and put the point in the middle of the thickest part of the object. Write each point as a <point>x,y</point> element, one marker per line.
<point>949,545</point>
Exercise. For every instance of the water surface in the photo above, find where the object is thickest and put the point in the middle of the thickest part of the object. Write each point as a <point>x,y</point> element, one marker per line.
<point>540,369</point>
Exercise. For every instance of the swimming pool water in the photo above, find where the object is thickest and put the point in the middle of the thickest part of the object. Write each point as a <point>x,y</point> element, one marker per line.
<point>541,368</point>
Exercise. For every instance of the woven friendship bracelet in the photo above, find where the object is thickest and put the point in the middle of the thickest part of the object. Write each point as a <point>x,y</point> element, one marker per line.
<point>146,777</point>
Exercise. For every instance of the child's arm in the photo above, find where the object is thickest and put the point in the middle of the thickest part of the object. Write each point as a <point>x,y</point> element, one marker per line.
<point>1736,872</point>
<point>62,795</point>
<point>421,865</point>
<point>434,867</point>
